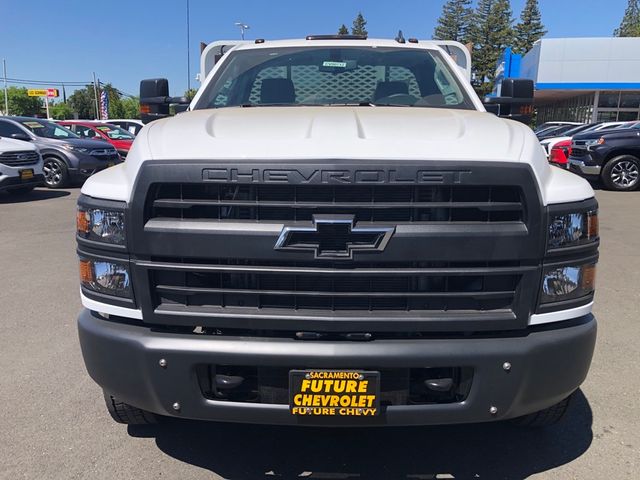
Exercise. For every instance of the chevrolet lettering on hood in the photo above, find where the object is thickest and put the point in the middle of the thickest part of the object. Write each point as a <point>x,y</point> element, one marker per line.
<point>332,176</point>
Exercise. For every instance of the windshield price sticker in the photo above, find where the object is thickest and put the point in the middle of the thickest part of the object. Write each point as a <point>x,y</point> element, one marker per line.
<point>334,393</point>
<point>334,64</point>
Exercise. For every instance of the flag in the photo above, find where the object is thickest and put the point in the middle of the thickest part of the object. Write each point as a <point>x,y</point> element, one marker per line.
<point>104,105</point>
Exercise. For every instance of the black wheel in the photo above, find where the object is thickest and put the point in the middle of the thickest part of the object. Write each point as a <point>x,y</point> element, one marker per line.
<point>621,173</point>
<point>544,418</point>
<point>124,413</point>
<point>56,174</point>
<point>20,191</point>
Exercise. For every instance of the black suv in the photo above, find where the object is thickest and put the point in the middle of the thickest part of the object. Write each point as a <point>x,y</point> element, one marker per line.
<point>612,156</point>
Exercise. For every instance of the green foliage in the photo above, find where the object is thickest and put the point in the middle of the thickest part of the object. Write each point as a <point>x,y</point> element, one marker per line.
<point>130,107</point>
<point>359,25</point>
<point>20,103</point>
<point>343,30</point>
<point>630,24</point>
<point>191,93</point>
<point>61,111</point>
<point>455,21</point>
<point>83,103</point>
<point>490,34</point>
<point>530,28</point>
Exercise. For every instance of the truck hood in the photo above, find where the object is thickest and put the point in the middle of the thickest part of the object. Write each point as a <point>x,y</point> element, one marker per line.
<point>334,133</point>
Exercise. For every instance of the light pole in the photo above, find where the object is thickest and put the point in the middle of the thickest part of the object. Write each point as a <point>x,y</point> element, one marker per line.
<point>242,27</point>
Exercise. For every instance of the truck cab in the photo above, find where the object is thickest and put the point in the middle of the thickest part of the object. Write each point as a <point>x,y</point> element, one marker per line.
<point>336,232</point>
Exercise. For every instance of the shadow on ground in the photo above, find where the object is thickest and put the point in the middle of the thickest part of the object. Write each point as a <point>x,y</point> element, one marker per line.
<point>490,451</point>
<point>34,196</point>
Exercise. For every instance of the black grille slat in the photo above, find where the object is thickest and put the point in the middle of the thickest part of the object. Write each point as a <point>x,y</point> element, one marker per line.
<point>381,203</point>
<point>228,286</point>
<point>19,159</point>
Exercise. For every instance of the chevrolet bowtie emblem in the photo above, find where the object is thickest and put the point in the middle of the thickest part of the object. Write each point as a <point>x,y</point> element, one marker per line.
<point>334,237</point>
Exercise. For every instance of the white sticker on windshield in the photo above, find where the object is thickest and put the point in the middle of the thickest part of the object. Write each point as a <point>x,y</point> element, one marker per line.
<point>334,64</point>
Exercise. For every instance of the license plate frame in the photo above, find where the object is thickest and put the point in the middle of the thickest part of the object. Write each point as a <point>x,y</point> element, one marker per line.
<point>333,399</point>
<point>26,174</point>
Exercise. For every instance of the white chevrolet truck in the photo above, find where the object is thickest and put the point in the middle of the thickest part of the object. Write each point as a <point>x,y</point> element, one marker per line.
<point>336,232</point>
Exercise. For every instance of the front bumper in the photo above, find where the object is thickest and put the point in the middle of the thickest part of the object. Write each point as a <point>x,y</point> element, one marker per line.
<point>547,365</point>
<point>12,182</point>
<point>83,165</point>
<point>583,168</point>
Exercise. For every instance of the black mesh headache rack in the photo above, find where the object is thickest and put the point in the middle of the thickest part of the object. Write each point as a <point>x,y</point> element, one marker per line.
<point>461,246</point>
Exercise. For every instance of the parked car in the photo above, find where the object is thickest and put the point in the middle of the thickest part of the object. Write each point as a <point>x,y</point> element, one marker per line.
<point>548,125</point>
<point>121,139</point>
<point>612,156</point>
<point>20,167</point>
<point>559,154</point>
<point>549,143</point>
<point>66,156</point>
<point>554,131</point>
<point>130,124</point>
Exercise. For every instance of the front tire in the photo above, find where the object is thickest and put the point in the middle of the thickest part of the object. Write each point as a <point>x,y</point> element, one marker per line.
<point>56,174</point>
<point>622,173</point>
<point>544,418</point>
<point>127,414</point>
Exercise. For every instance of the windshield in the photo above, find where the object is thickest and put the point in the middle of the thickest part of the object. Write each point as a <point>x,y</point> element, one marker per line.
<point>115,133</point>
<point>45,129</point>
<point>381,76</point>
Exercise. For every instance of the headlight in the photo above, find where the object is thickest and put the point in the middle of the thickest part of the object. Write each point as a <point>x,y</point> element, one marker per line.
<point>74,148</point>
<point>592,143</point>
<point>572,229</point>
<point>106,277</point>
<point>101,225</point>
<point>568,282</point>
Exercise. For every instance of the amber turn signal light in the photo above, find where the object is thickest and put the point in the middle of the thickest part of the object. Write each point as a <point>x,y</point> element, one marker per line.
<point>86,272</point>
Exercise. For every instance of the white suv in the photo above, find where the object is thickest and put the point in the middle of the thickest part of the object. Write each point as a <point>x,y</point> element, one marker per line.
<point>20,166</point>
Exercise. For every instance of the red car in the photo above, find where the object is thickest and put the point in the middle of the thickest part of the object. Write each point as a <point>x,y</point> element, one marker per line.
<point>116,136</point>
<point>559,154</point>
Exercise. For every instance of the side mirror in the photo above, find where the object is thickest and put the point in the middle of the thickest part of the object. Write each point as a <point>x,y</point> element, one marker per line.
<point>515,101</point>
<point>21,136</point>
<point>155,100</point>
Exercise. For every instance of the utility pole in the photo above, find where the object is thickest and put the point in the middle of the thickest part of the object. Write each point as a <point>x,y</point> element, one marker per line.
<point>95,92</point>
<point>188,54</point>
<point>242,27</point>
<point>6,95</point>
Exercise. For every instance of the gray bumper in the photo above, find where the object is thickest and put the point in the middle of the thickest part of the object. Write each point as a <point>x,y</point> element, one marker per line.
<point>587,170</point>
<point>547,366</point>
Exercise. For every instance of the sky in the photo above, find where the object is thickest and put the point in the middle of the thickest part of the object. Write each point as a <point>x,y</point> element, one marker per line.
<point>126,41</point>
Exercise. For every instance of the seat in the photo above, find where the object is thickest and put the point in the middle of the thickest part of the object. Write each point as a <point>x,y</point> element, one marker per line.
<point>386,89</point>
<point>277,90</point>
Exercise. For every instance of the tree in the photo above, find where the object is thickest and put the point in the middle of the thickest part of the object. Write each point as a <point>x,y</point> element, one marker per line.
<point>130,107</point>
<point>83,102</point>
<point>490,34</point>
<point>61,111</point>
<point>455,21</point>
<point>630,24</point>
<point>343,30</point>
<point>20,103</point>
<point>529,29</point>
<point>359,26</point>
<point>191,93</point>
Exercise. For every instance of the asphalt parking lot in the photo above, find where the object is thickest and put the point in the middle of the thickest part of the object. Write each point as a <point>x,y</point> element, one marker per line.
<point>53,424</point>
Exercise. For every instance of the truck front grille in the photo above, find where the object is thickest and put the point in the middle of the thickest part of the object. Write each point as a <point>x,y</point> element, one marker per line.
<point>461,252</point>
<point>242,287</point>
<point>19,159</point>
<point>379,203</point>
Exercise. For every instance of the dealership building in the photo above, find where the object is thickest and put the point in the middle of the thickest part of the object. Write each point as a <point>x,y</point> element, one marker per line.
<point>580,79</point>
